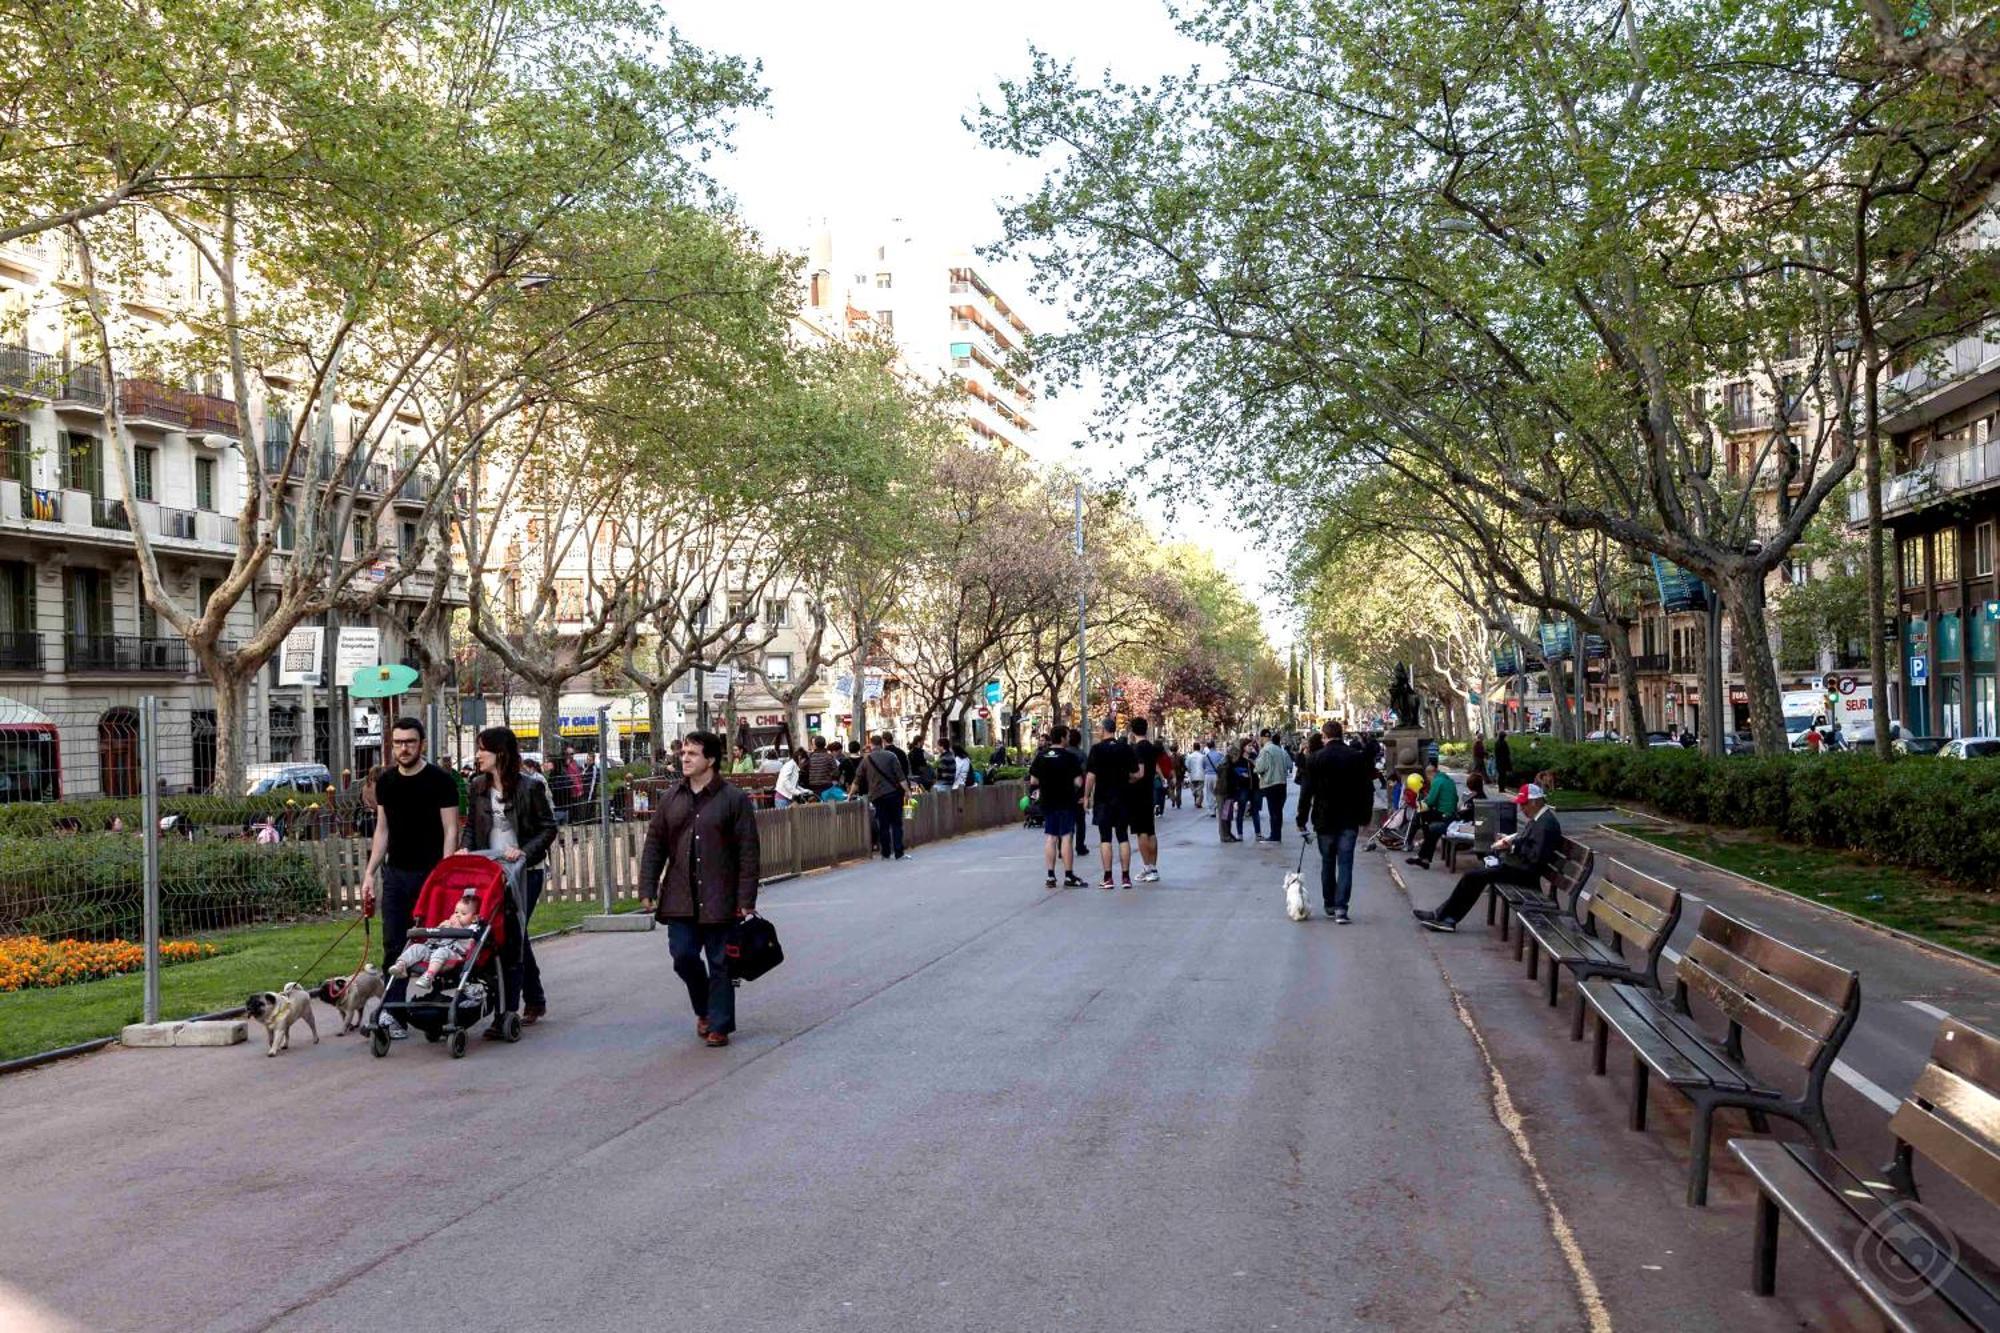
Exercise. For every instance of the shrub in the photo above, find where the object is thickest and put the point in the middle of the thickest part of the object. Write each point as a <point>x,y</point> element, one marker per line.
<point>26,819</point>
<point>91,885</point>
<point>1933,814</point>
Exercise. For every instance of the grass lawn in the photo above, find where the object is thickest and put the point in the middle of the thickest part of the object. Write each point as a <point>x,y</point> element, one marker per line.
<point>1891,895</point>
<point>253,959</point>
<point>1562,798</point>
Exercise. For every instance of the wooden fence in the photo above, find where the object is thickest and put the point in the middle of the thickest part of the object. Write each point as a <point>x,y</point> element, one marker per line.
<point>795,839</point>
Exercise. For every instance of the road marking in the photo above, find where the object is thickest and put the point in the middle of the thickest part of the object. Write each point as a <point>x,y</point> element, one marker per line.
<point>1864,1085</point>
<point>1931,1009</point>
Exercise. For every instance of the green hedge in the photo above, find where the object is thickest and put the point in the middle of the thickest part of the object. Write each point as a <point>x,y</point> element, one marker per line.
<point>27,819</point>
<point>89,885</point>
<point>1935,814</point>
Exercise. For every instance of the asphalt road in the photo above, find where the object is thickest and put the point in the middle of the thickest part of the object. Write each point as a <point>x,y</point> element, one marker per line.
<point>963,1103</point>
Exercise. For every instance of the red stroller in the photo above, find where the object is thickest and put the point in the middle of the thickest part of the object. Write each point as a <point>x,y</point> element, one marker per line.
<point>476,988</point>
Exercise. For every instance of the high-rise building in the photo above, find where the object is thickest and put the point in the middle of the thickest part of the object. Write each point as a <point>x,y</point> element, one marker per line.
<point>940,307</point>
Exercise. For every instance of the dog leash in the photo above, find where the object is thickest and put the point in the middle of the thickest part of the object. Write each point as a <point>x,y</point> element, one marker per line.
<point>331,947</point>
<point>1302,856</point>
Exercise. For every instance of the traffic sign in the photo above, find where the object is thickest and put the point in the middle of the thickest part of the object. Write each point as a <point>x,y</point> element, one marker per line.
<point>1920,671</point>
<point>992,694</point>
<point>984,711</point>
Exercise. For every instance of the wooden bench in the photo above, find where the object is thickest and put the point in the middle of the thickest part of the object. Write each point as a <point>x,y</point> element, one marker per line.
<point>1916,1272</point>
<point>1562,884</point>
<point>1630,918</point>
<point>1799,1006</point>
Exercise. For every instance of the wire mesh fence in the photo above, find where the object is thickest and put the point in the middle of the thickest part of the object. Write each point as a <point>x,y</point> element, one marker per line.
<point>260,883</point>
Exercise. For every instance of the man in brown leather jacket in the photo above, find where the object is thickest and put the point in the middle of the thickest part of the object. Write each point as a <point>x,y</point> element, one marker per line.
<point>703,835</point>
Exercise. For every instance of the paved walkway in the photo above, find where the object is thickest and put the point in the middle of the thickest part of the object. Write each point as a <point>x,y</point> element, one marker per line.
<point>963,1103</point>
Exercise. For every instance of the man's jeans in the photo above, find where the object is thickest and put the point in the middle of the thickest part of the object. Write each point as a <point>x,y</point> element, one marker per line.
<point>524,975</point>
<point>698,958</point>
<point>1274,797</point>
<point>1336,870</point>
<point>399,899</point>
<point>889,823</point>
<point>1251,806</point>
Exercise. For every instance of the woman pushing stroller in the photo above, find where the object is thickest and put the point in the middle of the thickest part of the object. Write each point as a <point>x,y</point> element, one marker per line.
<point>513,820</point>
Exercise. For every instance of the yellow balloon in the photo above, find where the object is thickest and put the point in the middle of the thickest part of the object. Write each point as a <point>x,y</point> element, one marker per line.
<point>1413,782</point>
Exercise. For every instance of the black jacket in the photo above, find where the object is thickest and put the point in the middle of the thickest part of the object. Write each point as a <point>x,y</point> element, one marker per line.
<point>1336,790</point>
<point>706,843</point>
<point>530,808</point>
<point>1537,845</point>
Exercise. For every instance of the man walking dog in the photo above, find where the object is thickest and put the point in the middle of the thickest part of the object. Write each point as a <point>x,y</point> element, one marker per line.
<point>703,836</point>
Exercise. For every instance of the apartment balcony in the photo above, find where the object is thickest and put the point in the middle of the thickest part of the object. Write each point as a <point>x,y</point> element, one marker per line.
<point>210,415</point>
<point>1935,479</point>
<point>1762,416</point>
<point>151,403</point>
<point>29,374</point>
<point>125,653</point>
<point>276,447</point>
<point>109,513</point>
<point>417,488</point>
<point>20,650</point>
<point>367,478</point>
<point>82,390</point>
<point>1941,382</point>
<point>31,254</point>
<point>1650,662</point>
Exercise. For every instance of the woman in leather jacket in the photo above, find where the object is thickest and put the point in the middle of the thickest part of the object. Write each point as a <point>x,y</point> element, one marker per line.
<point>512,814</point>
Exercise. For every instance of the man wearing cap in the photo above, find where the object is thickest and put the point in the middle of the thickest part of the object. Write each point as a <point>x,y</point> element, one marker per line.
<point>1523,856</point>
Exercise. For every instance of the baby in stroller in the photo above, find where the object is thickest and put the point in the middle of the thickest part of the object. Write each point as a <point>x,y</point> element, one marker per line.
<point>428,957</point>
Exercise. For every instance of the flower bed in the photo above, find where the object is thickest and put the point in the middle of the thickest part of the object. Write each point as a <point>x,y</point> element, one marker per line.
<point>28,961</point>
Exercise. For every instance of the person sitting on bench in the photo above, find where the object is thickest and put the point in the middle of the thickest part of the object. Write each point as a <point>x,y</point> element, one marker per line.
<point>1522,858</point>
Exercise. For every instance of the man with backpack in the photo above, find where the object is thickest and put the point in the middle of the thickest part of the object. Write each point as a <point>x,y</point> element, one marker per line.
<point>884,779</point>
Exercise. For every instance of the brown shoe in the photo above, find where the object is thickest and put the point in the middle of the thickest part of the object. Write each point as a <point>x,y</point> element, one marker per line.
<point>701,1027</point>
<point>529,1017</point>
<point>716,1038</point>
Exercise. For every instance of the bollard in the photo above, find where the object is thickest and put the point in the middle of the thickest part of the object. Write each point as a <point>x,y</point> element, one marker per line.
<point>149,820</point>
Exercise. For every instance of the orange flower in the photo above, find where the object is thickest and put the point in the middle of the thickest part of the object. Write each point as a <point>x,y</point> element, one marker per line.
<point>31,961</point>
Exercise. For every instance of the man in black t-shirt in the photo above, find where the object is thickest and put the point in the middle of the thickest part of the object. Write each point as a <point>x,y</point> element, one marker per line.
<point>1107,785</point>
<point>1057,775</point>
<point>416,826</point>
<point>1139,801</point>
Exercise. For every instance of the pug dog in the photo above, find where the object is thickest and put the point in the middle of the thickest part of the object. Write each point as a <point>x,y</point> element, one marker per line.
<point>365,985</point>
<point>278,1010</point>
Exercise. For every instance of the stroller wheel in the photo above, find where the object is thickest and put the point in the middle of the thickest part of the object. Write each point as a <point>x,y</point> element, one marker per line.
<point>510,1027</point>
<point>378,1042</point>
<point>458,1045</point>
<point>433,1037</point>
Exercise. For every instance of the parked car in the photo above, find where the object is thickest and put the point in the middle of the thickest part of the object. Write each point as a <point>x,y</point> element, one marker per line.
<point>1663,740</point>
<point>769,758</point>
<point>1918,744</point>
<point>1739,742</point>
<point>1610,737</point>
<point>263,779</point>
<point>1971,747</point>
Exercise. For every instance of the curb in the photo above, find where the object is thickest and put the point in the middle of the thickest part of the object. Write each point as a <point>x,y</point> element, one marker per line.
<point>1687,862</point>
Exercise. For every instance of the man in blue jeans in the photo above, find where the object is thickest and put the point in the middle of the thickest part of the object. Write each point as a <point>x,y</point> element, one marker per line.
<point>1337,793</point>
<point>884,778</point>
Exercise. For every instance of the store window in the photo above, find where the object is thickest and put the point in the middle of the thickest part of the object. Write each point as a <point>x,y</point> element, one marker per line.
<point>1982,550</point>
<point>1911,552</point>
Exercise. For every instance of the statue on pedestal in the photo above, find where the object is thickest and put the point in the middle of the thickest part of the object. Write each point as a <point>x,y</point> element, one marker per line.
<point>1403,698</point>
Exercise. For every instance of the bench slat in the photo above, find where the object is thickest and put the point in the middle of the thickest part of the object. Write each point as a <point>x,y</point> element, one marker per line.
<point>1628,901</point>
<point>1799,1009</point>
<point>1830,983</point>
<point>1794,1044</point>
<point>1624,914</point>
<point>1659,1037</point>
<point>1837,1222</point>
<point>1966,1050</point>
<point>1966,1157</point>
<point>1564,941</point>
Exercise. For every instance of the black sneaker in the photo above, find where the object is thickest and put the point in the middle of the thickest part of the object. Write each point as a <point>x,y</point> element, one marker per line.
<point>1341,919</point>
<point>1072,882</point>
<point>1050,882</point>
<point>1432,921</point>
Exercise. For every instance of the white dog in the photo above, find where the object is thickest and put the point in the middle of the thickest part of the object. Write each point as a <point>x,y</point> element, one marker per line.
<point>278,1010</point>
<point>1295,898</point>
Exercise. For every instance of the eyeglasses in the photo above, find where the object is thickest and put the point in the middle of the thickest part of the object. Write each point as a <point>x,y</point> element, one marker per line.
<point>399,743</point>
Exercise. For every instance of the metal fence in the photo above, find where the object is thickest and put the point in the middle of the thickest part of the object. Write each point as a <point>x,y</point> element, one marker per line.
<point>113,851</point>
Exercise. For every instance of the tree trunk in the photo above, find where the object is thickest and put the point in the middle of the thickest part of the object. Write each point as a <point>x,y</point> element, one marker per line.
<point>656,721</point>
<point>1562,727</point>
<point>1744,596</point>
<point>861,638</point>
<point>1628,686</point>
<point>231,749</point>
<point>1878,648</point>
<point>548,697</point>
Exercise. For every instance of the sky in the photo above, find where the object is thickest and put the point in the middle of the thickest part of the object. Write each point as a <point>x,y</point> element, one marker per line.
<point>865,124</point>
